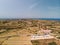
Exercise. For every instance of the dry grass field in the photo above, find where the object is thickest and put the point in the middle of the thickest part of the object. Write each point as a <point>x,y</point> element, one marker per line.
<point>18,32</point>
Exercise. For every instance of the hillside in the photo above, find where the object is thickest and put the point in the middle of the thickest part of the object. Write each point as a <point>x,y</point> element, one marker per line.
<point>18,32</point>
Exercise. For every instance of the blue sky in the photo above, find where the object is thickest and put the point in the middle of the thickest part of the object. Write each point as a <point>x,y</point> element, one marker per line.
<point>29,8</point>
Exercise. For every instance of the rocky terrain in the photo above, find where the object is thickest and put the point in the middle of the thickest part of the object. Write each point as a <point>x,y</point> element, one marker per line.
<point>18,32</point>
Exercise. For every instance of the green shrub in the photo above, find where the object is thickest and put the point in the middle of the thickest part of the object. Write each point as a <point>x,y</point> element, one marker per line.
<point>58,37</point>
<point>52,43</point>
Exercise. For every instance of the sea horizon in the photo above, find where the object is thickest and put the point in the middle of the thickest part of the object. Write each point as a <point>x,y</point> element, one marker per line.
<point>30,18</point>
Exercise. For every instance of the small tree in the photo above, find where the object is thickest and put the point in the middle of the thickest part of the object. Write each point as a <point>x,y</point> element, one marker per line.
<point>52,43</point>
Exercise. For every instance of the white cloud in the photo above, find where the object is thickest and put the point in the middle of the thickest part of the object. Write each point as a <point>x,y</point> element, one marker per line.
<point>53,7</point>
<point>33,5</point>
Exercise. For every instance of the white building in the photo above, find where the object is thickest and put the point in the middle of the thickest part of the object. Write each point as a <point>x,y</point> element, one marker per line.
<point>42,34</point>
